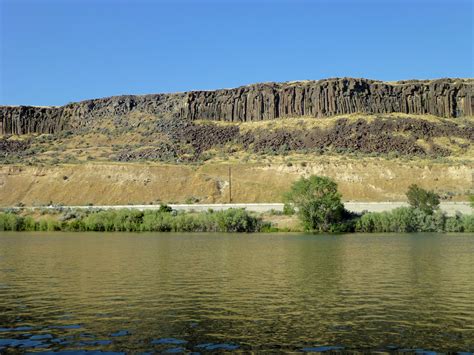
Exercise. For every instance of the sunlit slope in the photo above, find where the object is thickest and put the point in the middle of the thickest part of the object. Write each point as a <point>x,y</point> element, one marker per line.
<point>141,158</point>
<point>369,179</point>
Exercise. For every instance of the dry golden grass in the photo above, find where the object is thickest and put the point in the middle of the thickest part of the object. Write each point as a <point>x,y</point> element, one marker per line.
<point>328,122</point>
<point>366,179</point>
<point>93,178</point>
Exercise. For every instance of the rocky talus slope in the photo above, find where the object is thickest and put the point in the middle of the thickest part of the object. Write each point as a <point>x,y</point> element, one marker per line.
<point>443,98</point>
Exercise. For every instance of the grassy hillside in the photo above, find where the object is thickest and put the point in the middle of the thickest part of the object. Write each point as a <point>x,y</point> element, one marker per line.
<point>368,179</point>
<point>143,159</point>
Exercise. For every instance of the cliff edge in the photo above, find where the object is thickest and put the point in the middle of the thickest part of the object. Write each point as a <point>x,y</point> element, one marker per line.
<point>257,102</point>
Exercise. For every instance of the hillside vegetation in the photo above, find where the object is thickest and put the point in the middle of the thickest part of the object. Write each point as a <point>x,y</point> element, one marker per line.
<point>142,158</point>
<point>141,137</point>
<point>314,200</point>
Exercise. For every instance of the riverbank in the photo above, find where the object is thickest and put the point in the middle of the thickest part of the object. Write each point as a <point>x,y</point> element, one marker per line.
<point>450,208</point>
<point>167,219</point>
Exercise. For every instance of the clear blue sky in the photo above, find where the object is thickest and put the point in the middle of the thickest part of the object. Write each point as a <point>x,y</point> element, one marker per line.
<point>58,51</point>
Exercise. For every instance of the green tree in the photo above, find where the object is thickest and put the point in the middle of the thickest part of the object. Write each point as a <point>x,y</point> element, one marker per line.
<point>318,202</point>
<point>427,201</point>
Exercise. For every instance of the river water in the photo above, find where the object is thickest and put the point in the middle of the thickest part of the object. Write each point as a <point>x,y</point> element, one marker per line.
<point>212,292</point>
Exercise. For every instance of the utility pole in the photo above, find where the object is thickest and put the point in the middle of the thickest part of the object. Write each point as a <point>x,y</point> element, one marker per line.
<point>230,185</point>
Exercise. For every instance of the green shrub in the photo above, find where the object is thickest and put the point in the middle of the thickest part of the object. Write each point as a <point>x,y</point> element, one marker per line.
<point>162,220</point>
<point>318,202</point>
<point>408,220</point>
<point>155,221</point>
<point>29,224</point>
<point>268,228</point>
<point>401,220</point>
<point>114,220</point>
<point>454,224</point>
<point>75,226</point>
<point>11,222</point>
<point>236,220</point>
<point>428,222</point>
<point>374,222</point>
<point>460,223</point>
<point>288,209</point>
<point>184,222</point>
<point>345,226</point>
<point>468,223</point>
<point>419,198</point>
<point>165,208</point>
<point>54,226</point>
<point>43,225</point>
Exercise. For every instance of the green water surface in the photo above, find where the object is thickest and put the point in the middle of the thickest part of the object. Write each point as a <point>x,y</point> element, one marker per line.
<point>215,292</point>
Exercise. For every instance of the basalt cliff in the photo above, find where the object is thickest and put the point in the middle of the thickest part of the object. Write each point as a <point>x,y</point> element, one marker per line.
<point>267,101</point>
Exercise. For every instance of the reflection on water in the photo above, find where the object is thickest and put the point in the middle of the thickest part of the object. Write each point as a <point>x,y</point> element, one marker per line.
<point>208,293</point>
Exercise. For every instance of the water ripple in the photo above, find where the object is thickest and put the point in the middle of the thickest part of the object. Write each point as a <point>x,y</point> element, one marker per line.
<point>102,293</point>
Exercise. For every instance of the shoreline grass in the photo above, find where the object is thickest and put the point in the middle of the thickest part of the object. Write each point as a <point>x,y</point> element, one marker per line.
<point>400,220</point>
<point>128,220</point>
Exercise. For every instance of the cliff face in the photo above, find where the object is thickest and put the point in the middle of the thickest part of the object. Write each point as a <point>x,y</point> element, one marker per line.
<point>31,119</point>
<point>444,98</point>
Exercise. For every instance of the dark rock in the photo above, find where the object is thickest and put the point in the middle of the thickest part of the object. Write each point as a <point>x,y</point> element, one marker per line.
<point>173,341</point>
<point>162,152</point>
<point>381,136</point>
<point>14,148</point>
<point>443,97</point>
<point>200,136</point>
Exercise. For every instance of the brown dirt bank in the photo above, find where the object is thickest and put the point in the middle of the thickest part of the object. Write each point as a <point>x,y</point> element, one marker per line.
<point>368,179</point>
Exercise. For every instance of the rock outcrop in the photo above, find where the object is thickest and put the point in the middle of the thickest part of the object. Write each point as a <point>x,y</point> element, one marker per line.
<point>443,97</point>
<point>30,119</point>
